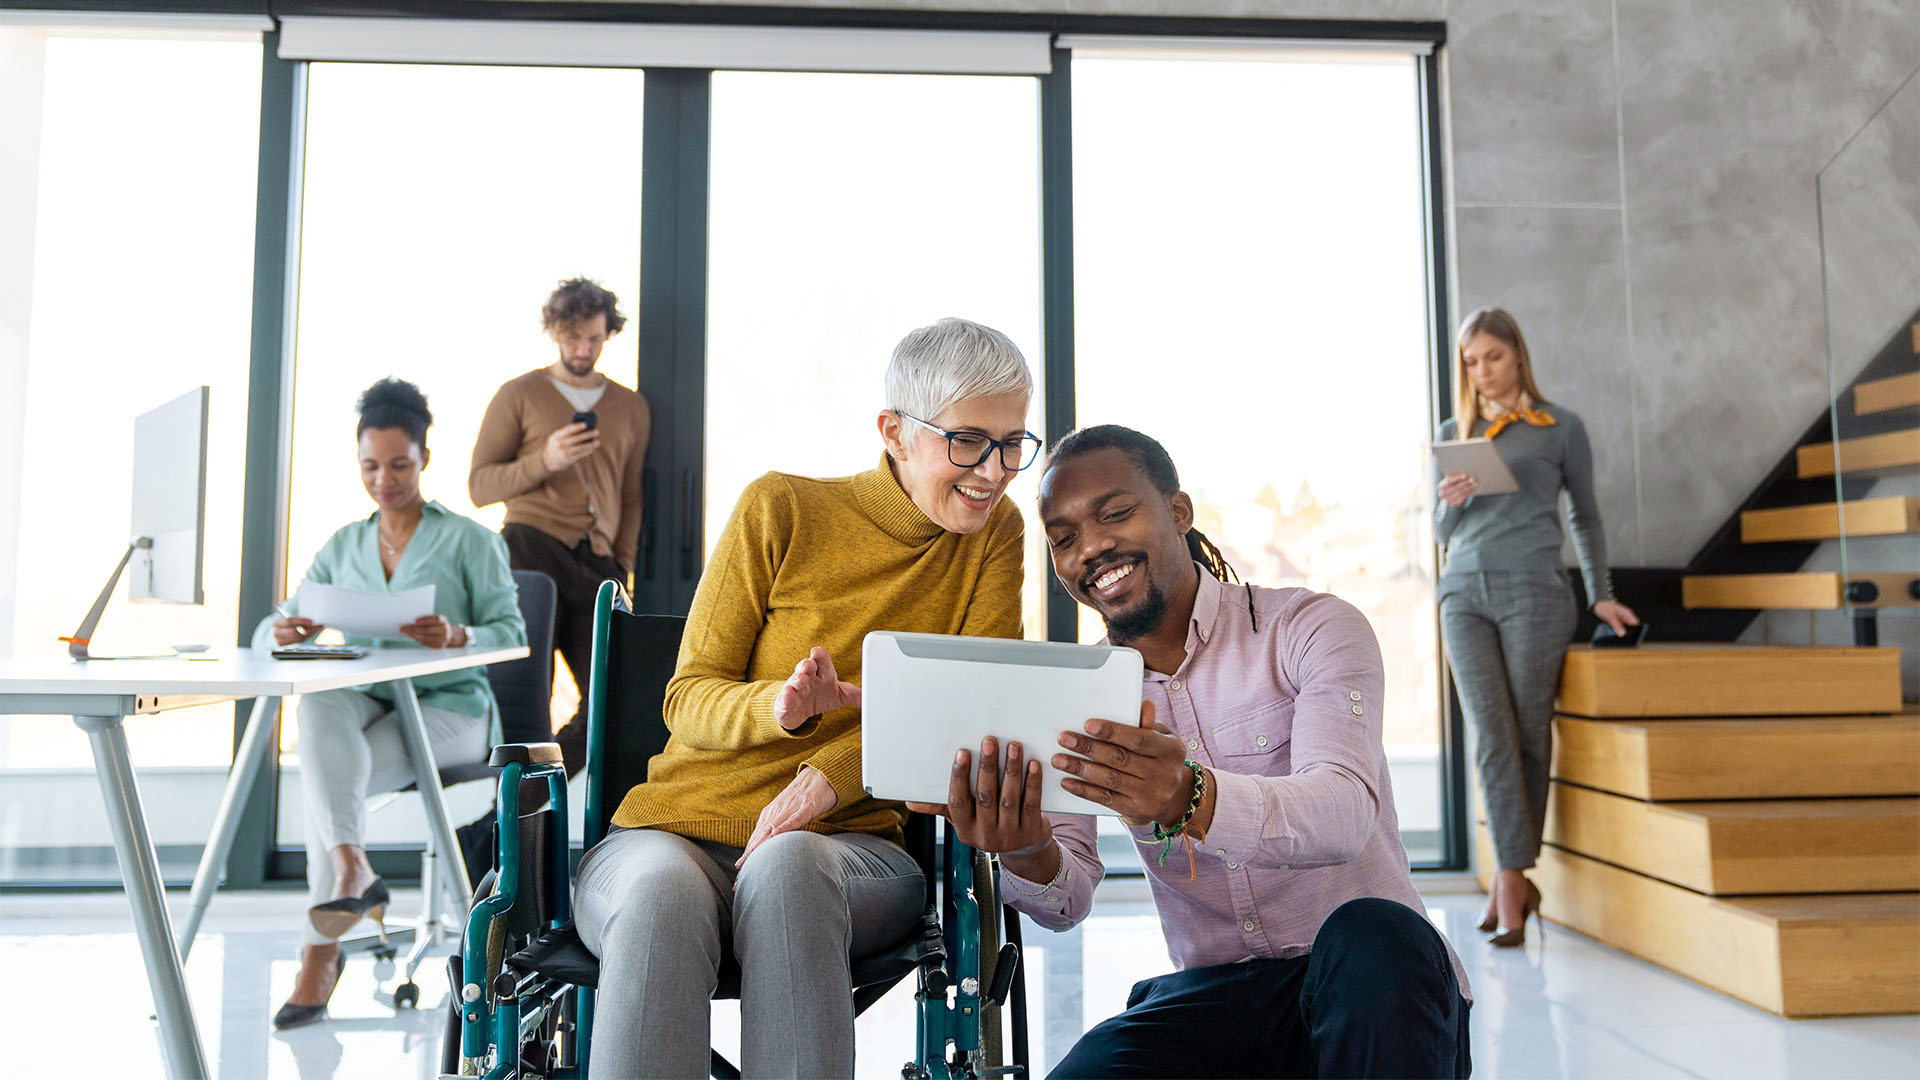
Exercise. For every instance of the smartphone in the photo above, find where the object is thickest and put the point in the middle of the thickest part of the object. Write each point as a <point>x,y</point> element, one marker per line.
<point>588,419</point>
<point>1605,638</point>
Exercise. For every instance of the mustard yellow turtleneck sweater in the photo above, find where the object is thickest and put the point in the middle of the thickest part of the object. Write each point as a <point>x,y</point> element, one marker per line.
<point>807,562</point>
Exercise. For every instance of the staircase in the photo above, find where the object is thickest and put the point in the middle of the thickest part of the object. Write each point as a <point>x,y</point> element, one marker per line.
<point>1879,425</point>
<point>1772,854</point>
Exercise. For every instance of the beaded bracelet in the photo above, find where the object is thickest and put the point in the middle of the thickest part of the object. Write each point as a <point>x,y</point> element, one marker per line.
<point>1199,792</point>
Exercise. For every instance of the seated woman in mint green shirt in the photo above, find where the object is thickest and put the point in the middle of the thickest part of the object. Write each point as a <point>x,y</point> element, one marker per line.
<point>350,741</point>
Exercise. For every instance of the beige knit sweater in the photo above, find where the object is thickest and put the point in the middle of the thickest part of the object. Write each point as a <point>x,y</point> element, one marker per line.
<point>597,497</point>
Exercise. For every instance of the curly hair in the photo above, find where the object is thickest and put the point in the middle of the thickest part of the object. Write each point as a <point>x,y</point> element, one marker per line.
<point>395,403</point>
<point>575,301</point>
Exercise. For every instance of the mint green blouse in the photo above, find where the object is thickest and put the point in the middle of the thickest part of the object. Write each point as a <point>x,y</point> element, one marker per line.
<point>463,560</point>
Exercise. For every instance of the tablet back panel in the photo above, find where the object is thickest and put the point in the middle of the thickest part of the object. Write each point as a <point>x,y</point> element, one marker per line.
<point>924,697</point>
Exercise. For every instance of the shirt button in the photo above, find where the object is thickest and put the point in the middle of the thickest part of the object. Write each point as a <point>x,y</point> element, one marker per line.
<point>1219,851</point>
<point>1193,744</point>
<point>1259,740</point>
<point>1353,695</point>
<point>1284,866</point>
<point>1247,926</point>
<point>1358,711</point>
<point>1174,685</point>
<point>1233,865</point>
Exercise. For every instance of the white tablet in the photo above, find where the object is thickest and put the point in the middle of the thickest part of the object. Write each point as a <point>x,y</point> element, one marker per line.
<point>925,697</point>
<point>1478,459</point>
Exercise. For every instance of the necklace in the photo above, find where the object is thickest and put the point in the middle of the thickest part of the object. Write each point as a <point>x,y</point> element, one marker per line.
<point>388,546</point>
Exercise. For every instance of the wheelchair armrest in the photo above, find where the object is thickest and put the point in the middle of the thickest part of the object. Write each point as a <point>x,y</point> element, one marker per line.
<point>539,753</point>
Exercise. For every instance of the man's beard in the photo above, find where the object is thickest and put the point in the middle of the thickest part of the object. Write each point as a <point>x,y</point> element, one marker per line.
<point>1139,622</point>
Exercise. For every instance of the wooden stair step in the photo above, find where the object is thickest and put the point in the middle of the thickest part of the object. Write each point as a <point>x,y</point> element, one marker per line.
<point>1845,955</point>
<point>1773,758</point>
<point>1754,846</point>
<point>1888,516</point>
<point>1885,395</point>
<point>1816,590</point>
<point>1729,680</point>
<point>1866,453</point>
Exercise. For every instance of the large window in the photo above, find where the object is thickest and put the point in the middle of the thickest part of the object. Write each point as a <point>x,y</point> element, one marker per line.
<point>1250,289</point>
<point>1247,281</point>
<point>137,272</point>
<point>441,206</point>
<point>846,211</point>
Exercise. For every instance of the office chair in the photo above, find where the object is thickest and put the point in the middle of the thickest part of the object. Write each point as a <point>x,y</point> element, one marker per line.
<point>521,689</point>
<point>528,1009</point>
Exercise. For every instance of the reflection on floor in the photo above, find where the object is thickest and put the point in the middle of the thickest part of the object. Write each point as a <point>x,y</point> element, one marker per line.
<point>75,1003</point>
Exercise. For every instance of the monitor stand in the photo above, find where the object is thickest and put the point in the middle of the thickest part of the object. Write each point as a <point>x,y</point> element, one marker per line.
<point>77,643</point>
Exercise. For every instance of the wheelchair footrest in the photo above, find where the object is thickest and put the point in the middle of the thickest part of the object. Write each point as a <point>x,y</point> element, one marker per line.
<point>559,955</point>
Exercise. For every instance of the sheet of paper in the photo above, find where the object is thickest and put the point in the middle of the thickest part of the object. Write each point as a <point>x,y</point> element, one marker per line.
<point>366,614</point>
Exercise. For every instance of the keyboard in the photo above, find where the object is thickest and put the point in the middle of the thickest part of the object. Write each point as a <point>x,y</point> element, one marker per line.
<point>320,652</point>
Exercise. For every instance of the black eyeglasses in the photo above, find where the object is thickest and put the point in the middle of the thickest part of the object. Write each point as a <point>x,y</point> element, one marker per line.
<point>968,449</point>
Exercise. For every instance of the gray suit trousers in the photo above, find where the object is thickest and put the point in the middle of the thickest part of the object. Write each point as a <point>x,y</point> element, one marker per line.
<point>1506,634</point>
<point>662,911</point>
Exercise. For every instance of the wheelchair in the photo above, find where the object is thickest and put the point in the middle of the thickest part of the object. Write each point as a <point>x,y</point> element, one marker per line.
<point>524,984</point>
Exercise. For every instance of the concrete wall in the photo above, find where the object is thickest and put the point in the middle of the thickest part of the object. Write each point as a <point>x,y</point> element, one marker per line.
<point>1635,179</point>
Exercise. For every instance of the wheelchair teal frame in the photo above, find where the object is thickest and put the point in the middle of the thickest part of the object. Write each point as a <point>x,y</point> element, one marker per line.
<point>499,1010</point>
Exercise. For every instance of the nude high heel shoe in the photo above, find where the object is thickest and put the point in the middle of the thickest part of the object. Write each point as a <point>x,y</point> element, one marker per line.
<point>1510,937</point>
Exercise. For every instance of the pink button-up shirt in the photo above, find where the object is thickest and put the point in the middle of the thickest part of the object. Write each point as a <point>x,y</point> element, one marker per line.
<point>1287,719</point>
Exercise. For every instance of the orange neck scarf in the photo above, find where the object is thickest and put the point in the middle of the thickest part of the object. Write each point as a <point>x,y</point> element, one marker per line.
<point>1497,424</point>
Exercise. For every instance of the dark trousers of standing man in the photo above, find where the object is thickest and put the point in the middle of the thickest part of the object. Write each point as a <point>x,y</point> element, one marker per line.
<point>1377,997</point>
<point>577,572</point>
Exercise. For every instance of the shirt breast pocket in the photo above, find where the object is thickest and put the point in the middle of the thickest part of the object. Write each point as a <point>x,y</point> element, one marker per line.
<point>1256,743</point>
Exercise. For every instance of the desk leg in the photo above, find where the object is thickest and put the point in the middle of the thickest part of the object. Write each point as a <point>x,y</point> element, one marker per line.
<point>246,765</point>
<point>179,1039</point>
<point>426,774</point>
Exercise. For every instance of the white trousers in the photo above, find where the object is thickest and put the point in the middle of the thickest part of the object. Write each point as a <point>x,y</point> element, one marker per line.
<point>350,748</point>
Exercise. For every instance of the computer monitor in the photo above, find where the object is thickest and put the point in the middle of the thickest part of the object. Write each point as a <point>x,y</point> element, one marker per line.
<point>169,513</point>
<point>170,500</point>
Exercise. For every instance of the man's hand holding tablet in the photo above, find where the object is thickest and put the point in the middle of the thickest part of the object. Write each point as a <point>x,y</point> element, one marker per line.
<point>1003,816</point>
<point>1140,772</point>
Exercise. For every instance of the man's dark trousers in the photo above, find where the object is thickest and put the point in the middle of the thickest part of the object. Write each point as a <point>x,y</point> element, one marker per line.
<point>1377,997</point>
<point>577,572</point>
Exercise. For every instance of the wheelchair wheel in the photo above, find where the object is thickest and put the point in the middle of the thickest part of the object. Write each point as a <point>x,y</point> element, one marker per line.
<point>987,892</point>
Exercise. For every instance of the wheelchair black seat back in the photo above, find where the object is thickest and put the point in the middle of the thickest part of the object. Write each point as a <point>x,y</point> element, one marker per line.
<point>527,1008</point>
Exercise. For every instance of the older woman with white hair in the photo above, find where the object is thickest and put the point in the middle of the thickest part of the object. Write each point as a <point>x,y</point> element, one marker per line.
<point>752,836</point>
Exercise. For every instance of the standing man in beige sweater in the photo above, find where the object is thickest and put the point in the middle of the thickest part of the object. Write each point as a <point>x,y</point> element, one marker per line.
<point>563,446</point>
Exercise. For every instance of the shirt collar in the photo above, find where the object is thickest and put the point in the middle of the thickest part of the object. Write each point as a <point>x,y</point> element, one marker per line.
<point>1206,607</point>
<point>882,498</point>
<point>430,504</point>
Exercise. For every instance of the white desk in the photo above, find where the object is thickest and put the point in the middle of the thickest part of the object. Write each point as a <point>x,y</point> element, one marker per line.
<point>101,694</point>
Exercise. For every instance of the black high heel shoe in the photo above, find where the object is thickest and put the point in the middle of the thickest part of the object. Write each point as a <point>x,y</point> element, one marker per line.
<point>293,1016</point>
<point>1509,937</point>
<point>335,917</point>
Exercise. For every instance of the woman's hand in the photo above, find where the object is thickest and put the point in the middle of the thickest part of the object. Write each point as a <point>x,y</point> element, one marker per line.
<point>813,689</point>
<point>1457,488</point>
<point>294,629</point>
<point>436,632</point>
<point>1616,615</point>
<point>1139,772</point>
<point>802,801</point>
<point>1001,814</point>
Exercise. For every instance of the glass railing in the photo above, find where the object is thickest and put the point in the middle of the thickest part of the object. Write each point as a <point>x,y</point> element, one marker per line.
<point>1868,198</point>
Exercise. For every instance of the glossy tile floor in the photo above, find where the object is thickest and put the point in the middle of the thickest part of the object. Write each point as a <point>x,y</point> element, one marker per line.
<point>73,1001</point>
